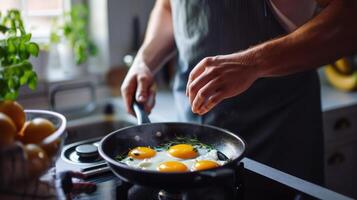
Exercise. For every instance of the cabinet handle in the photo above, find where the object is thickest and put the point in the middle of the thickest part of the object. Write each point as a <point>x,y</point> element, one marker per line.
<point>336,159</point>
<point>342,123</point>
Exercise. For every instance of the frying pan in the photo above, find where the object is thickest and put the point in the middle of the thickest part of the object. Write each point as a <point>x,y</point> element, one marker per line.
<point>153,134</point>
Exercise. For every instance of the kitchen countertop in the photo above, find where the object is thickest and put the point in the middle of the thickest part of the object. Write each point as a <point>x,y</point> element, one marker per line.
<point>166,111</point>
<point>331,99</point>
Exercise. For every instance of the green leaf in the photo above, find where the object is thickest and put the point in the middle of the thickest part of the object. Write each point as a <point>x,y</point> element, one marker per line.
<point>11,95</point>
<point>26,65</point>
<point>26,37</point>
<point>54,38</point>
<point>67,30</point>
<point>2,52</point>
<point>22,50</point>
<point>3,29</point>
<point>93,50</point>
<point>13,83</point>
<point>79,52</point>
<point>32,83</point>
<point>11,48</point>
<point>22,30</point>
<point>25,78</point>
<point>33,49</point>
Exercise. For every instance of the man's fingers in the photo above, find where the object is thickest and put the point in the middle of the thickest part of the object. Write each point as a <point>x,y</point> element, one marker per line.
<point>142,93</point>
<point>128,89</point>
<point>203,94</point>
<point>151,100</point>
<point>211,102</point>
<point>74,174</point>
<point>197,70</point>
<point>200,82</point>
<point>84,187</point>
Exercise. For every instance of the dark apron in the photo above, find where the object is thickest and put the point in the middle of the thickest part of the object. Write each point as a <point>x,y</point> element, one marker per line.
<point>280,118</point>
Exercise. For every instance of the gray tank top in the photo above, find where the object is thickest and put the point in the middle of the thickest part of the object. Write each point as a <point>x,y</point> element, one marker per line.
<point>273,113</point>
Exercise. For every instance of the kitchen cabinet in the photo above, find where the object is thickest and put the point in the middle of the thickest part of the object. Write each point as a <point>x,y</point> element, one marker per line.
<point>340,168</point>
<point>340,135</point>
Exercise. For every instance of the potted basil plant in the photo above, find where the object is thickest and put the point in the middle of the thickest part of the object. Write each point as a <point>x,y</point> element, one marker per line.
<point>71,41</point>
<point>16,48</point>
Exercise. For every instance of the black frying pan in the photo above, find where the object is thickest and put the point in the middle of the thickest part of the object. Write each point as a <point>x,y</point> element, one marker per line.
<point>154,134</point>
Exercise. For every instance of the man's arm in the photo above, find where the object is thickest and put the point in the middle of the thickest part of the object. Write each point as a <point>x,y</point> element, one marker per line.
<point>159,38</point>
<point>158,45</point>
<point>328,36</point>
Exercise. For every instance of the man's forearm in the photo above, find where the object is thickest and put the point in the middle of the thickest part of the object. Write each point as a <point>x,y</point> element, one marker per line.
<point>159,40</point>
<point>330,35</point>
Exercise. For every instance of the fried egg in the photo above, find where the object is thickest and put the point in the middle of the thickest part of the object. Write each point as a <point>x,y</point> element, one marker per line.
<point>176,158</point>
<point>142,153</point>
<point>183,151</point>
<point>205,164</point>
<point>172,166</point>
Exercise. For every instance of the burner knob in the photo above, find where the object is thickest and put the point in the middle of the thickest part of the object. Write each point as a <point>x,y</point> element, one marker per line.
<point>86,151</point>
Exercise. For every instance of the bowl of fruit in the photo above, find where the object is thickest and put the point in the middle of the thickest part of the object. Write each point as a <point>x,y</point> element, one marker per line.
<point>30,141</point>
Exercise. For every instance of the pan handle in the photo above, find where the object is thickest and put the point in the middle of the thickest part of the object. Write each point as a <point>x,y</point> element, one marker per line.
<point>140,113</point>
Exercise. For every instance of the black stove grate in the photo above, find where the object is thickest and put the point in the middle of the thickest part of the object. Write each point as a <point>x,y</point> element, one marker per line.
<point>229,186</point>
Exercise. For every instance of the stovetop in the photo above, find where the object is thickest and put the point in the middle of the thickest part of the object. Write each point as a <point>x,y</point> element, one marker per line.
<point>259,180</point>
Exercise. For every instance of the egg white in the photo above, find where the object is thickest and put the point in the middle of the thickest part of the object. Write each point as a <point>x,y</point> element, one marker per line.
<point>163,156</point>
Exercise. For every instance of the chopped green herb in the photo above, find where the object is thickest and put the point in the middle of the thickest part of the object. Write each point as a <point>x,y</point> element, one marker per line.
<point>120,157</point>
<point>183,140</point>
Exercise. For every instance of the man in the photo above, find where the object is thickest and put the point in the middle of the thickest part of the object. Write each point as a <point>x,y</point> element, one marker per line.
<point>239,69</point>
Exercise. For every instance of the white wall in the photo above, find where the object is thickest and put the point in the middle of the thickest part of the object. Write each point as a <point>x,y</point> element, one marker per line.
<point>100,34</point>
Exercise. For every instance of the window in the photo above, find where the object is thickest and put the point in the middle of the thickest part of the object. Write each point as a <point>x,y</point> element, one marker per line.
<point>37,14</point>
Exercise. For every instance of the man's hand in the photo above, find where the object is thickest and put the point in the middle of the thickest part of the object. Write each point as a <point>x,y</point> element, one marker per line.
<point>217,78</point>
<point>158,44</point>
<point>325,38</point>
<point>138,84</point>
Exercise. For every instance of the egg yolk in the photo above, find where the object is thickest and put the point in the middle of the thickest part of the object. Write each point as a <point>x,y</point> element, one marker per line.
<point>142,153</point>
<point>172,166</point>
<point>183,151</point>
<point>204,164</point>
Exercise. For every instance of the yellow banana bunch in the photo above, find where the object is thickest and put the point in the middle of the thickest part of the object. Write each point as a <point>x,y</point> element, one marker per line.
<point>341,75</point>
<point>342,65</point>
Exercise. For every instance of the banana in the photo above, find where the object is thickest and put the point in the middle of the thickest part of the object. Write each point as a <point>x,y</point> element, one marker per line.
<point>341,81</point>
<point>343,66</point>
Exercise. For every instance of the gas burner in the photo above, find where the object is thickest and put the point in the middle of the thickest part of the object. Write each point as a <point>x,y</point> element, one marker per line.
<point>83,153</point>
<point>83,156</point>
<point>87,151</point>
